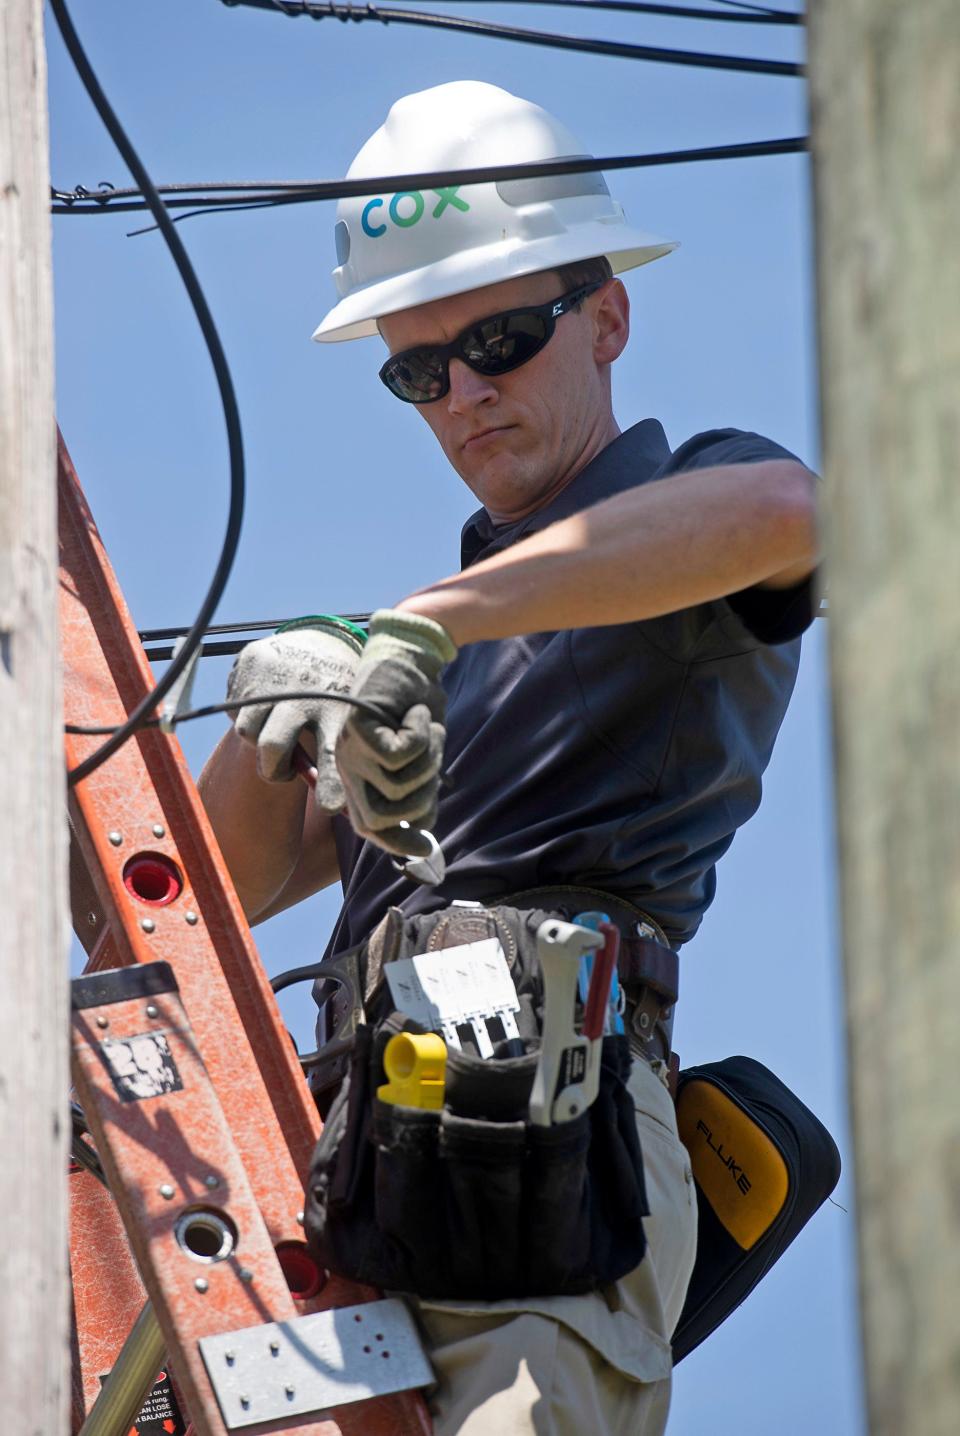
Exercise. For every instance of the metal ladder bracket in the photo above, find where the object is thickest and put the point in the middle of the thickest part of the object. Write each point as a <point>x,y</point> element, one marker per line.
<point>315,1363</point>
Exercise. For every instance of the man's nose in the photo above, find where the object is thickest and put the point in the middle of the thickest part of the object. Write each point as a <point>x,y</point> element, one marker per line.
<point>468,388</point>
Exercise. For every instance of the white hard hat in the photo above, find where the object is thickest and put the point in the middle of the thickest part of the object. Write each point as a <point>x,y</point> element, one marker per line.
<point>406,248</point>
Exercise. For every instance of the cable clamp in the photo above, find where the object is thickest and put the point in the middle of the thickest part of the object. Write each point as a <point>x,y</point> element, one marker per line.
<point>179,698</point>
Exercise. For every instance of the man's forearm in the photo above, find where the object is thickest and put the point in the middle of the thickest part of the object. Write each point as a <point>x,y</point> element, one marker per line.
<point>258,825</point>
<point>651,550</point>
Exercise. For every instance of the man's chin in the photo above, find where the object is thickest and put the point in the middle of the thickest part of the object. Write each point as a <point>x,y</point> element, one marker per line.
<point>507,496</point>
<point>495,477</point>
<point>488,459</point>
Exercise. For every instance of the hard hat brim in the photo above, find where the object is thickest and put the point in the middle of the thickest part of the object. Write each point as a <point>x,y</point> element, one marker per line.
<point>355,317</point>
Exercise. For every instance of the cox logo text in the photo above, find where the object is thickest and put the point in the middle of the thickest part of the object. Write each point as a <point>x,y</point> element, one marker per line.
<point>407,208</point>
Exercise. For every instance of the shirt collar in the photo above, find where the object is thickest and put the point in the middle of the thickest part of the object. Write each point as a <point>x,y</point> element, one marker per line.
<point>631,459</point>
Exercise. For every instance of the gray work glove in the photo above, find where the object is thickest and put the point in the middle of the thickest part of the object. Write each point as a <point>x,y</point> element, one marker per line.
<point>312,655</point>
<point>391,772</point>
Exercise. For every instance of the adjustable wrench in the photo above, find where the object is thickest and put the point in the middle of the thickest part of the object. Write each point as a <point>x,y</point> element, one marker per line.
<point>568,1072</point>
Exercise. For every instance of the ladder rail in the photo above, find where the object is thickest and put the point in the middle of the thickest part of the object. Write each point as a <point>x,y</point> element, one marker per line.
<point>148,783</point>
<point>134,819</point>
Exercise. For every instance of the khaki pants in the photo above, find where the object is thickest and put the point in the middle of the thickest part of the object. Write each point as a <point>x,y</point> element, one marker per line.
<point>595,1365</point>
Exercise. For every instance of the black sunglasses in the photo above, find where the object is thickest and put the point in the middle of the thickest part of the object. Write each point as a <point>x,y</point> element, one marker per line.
<point>490,346</point>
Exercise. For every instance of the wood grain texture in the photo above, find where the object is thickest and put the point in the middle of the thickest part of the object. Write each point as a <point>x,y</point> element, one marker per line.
<point>34,1330</point>
<point>886,107</point>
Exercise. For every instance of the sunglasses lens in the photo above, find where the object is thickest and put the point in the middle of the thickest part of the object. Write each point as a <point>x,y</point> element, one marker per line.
<point>505,342</point>
<point>494,346</point>
<point>417,376</point>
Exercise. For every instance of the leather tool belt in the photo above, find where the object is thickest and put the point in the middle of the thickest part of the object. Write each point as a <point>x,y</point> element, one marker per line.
<point>470,1195</point>
<point>649,968</point>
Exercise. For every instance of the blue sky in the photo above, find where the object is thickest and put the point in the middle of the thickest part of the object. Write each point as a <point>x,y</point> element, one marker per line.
<point>350,505</point>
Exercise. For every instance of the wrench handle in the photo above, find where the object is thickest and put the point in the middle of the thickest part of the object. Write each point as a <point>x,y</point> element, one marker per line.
<point>598,995</point>
<point>559,969</point>
<point>564,1053</point>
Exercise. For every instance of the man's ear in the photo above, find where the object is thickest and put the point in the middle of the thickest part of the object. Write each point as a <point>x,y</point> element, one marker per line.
<point>611,322</point>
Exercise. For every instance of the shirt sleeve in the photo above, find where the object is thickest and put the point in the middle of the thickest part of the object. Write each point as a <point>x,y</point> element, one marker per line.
<point>771,615</point>
<point>775,615</point>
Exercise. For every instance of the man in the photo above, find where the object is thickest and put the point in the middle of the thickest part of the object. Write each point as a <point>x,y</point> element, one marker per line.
<point>603,681</point>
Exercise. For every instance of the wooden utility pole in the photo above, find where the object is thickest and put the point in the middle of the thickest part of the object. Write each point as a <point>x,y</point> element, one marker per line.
<point>886,107</point>
<point>34,1344</point>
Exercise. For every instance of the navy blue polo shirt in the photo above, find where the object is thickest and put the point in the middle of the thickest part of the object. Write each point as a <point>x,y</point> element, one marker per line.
<point>623,757</point>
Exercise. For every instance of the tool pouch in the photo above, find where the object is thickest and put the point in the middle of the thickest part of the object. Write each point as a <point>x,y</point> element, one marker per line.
<point>473,1201</point>
<point>762,1164</point>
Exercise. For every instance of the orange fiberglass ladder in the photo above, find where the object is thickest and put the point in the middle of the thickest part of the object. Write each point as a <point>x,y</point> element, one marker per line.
<point>189,1085</point>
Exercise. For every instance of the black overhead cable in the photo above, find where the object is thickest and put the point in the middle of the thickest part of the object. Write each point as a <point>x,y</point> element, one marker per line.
<point>229,648</point>
<point>151,635</point>
<point>762,9</point>
<point>743,14</point>
<point>328,695</point>
<point>142,712</point>
<point>330,10</point>
<point>226,647</point>
<point>249,194</point>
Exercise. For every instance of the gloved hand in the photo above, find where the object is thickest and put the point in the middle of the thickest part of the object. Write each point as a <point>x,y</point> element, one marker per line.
<point>311,655</point>
<point>391,773</point>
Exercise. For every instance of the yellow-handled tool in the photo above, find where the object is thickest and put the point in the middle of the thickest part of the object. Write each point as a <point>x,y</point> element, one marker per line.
<point>416,1064</point>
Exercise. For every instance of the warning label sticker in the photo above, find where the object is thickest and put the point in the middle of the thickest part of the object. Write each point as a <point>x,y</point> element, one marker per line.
<point>141,1066</point>
<point>160,1414</point>
<point>573,1067</point>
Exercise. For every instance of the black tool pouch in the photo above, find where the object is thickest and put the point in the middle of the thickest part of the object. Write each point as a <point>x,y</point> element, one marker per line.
<point>762,1164</point>
<point>473,1201</point>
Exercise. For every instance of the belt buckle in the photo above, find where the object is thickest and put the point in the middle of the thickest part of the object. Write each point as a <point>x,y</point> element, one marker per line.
<point>646,1015</point>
